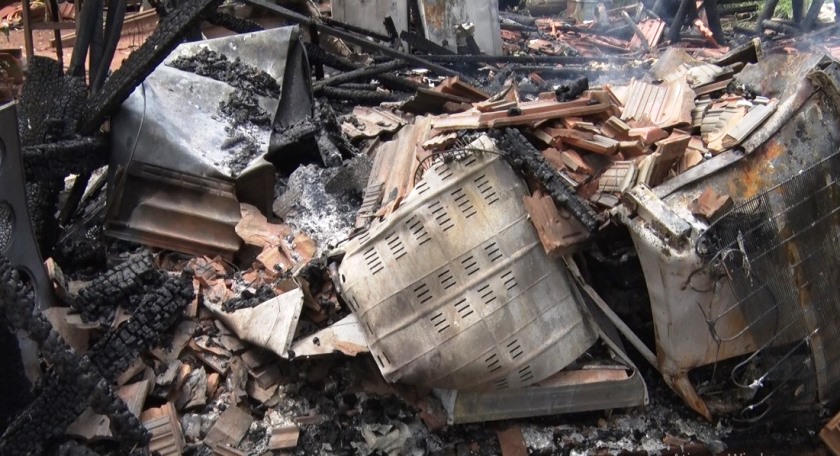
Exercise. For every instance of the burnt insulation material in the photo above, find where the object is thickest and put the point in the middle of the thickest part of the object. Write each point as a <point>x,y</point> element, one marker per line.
<point>140,63</point>
<point>102,295</point>
<point>74,384</point>
<point>50,104</point>
<point>56,160</point>
<point>217,66</point>
<point>242,107</point>
<point>523,156</point>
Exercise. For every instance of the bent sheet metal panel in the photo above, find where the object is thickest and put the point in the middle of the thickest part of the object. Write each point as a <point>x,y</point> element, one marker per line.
<point>171,143</point>
<point>174,119</point>
<point>578,388</point>
<point>454,290</point>
<point>805,129</point>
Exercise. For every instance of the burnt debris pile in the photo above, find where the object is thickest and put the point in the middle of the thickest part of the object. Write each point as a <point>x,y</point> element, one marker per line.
<point>429,227</point>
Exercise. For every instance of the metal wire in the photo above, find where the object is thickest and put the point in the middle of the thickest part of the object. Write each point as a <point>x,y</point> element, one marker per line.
<point>779,254</point>
<point>456,153</point>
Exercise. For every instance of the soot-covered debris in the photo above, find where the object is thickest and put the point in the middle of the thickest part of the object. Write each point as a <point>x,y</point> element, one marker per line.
<point>247,119</point>
<point>342,405</point>
<point>242,150</point>
<point>214,65</point>
<point>243,107</point>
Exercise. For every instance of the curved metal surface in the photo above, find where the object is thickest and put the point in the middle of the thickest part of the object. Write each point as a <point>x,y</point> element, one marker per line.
<point>454,289</point>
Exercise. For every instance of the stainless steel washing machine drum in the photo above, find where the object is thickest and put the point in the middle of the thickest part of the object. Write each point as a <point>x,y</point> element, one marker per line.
<point>454,289</point>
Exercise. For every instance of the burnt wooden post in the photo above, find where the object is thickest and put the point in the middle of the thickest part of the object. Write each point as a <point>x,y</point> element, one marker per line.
<point>686,6</point>
<point>766,14</point>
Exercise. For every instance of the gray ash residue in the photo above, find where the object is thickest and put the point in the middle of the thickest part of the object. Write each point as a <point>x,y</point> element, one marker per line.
<point>245,114</point>
<point>242,107</point>
<point>217,66</point>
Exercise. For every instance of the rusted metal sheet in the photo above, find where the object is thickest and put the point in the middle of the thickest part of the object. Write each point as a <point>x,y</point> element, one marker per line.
<point>441,17</point>
<point>454,289</point>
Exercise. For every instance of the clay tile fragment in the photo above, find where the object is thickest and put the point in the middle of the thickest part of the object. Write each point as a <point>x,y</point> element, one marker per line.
<point>710,203</point>
<point>647,135</point>
<point>555,157</point>
<point>574,162</point>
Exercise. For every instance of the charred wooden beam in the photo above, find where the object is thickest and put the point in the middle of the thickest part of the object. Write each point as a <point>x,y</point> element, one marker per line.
<point>766,14</point>
<point>365,73</point>
<point>360,41</point>
<point>687,8</point>
<point>523,156</point>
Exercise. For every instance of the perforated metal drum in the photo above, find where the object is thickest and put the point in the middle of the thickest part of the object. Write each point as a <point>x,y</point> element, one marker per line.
<point>454,289</point>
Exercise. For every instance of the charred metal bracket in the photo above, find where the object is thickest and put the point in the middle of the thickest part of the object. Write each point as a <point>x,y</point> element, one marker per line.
<point>17,240</point>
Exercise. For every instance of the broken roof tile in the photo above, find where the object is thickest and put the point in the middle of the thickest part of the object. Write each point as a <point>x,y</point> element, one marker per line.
<point>560,233</point>
<point>229,429</point>
<point>663,106</point>
<point>617,178</point>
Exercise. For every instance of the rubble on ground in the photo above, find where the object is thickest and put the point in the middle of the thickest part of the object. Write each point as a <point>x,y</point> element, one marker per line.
<point>439,227</point>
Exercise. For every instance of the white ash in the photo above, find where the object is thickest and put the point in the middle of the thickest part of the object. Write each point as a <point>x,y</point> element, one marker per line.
<point>322,202</point>
<point>539,439</point>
